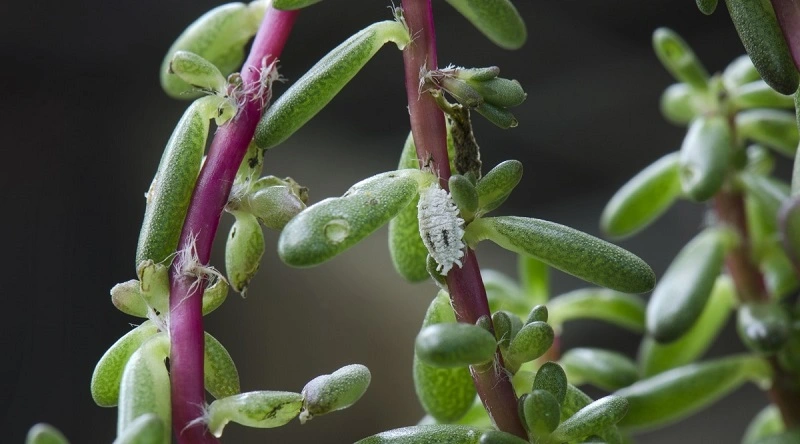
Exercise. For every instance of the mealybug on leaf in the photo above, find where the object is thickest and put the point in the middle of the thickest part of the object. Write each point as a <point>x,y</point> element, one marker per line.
<point>440,227</point>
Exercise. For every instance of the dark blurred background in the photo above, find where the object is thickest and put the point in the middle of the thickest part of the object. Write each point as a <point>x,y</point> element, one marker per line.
<point>85,122</point>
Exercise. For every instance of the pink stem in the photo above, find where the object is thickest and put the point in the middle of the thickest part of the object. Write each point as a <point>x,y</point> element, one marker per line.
<point>210,196</point>
<point>788,14</point>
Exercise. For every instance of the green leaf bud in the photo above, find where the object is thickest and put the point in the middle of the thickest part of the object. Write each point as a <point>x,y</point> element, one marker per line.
<point>274,206</point>
<point>145,386</point>
<point>532,341</point>
<point>679,392</point>
<point>707,7</point>
<point>677,103</point>
<point>108,371</point>
<point>197,72</point>
<point>624,310</point>
<point>243,251</point>
<point>763,327</point>
<point>605,369</point>
<point>332,226</point>
<point>502,328</point>
<point>454,345</point>
<point>739,72</point>
<point>774,128</point>
<point>154,284</point>
<point>574,401</point>
<point>219,36</point>
<point>496,19</point>
<point>592,419</point>
<point>42,433</point>
<point>427,434</point>
<point>323,81</point>
<point>220,375</point>
<point>780,276</point>
<point>497,115</point>
<point>502,93</point>
<point>538,313</point>
<point>567,249</point>
<point>337,391</point>
<point>464,195</point>
<point>679,59</point>
<point>762,38</point>
<point>262,409</point>
<point>643,199</point>
<point>477,74</point>
<point>214,295</point>
<point>681,295</point>
<point>146,429</point>
<point>759,95</point>
<point>655,357</point>
<point>128,299</point>
<point>767,422</point>
<point>495,187</point>
<point>541,413</point>
<point>551,378</point>
<point>445,393</point>
<point>289,5</point>
<point>463,92</point>
<point>704,157</point>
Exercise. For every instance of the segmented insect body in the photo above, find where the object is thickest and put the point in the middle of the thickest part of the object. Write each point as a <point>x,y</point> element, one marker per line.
<point>441,228</point>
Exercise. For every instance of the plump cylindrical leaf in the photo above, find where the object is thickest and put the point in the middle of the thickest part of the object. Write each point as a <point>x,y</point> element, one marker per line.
<point>774,128</point>
<point>592,419</point>
<point>219,36</point>
<point>275,206</point>
<point>464,195</point>
<point>500,92</point>
<point>197,72</point>
<point>643,199</point>
<point>323,81</point>
<point>677,103</point>
<point>538,313</point>
<point>567,249</point>
<point>551,378</point>
<point>332,226</point>
<point>764,327</point>
<point>501,117</point>
<point>146,429</point>
<point>145,386</point>
<point>214,296</point>
<point>707,7</point>
<point>611,306</point>
<point>427,434</point>
<point>767,422</point>
<point>679,392</point>
<point>45,434</point>
<point>154,284</point>
<point>293,4</point>
<point>263,409</point>
<point>495,187</point>
<point>496,19</point>
<point>445,393</point>
<point>220,375</point>
<point>128,299</point>
<point>171,190</point>
<point>679,59</point>
<point>759,95</point>
<point>541,413</point>
<point>681,295</point>
<point>762,38</point>
<point>704,157</point>
<point>337,391</point>
<point>532,341</point>
<point>454,345</point>
<point>108,371</point>
<point>574,401</point>
<point>605,369</point>
<point>243,250</point>
<point>655,357</point>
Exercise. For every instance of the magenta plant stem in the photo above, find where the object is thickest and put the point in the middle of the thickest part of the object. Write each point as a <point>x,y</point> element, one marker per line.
<point>465,284</point>
<point>200,227</point>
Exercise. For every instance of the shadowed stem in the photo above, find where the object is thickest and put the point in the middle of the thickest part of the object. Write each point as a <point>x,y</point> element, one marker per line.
<point>200,227</point>
<point>749,282</point>
<point>430,137</point>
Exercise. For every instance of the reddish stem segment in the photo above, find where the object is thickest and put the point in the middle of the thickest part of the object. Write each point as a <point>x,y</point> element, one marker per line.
<point>465,284</point>
<point>200,227</point>
<point>788,14</point>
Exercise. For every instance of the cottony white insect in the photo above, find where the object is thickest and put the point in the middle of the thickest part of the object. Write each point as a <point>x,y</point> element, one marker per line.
<point>440,227</point>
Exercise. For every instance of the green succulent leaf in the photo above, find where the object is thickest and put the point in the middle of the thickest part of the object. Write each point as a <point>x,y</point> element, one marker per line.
<point>274,206</point>
<point>592,419</point>
<point>780,275</point>
<point>500,92</point>
<point>617,308</point>
<point>427,434</point>
<point>219,36</point>
<point>497,115</point>
<point>538,313</point>
<point>146,429</point>
<point>790,226</point>
<point>337,391</point>
<point>655,357</point>
<point>764,327</point>
<point>42,433</point>
<point>262,409</point>
<point>679,59</point>
<point>676,393</point>
<point>605,369</point>
<point>464,195</point>
<point>220,375</point>
<point>214,296</point>
<point>535,278</point>
<point>145,386</point>
<point>197,72</point>
<point>243,251</point>
<point>739,72</point>
<point>498,437</point>
<point>532,341</point>
<point>332,226</point>
<point>496,19</point>
<point>677,103</point>
<point>541,413</point>
<point>758,94</point>
<point>154,284</point>
<point>495,187</point>
<point>551,378</point>
<point>454,345</point>
<point>108,371</point>
<point>445,393</point>
<point>774,128</point>
<point>707,7</point>
<point>681,295</point>
<point>643,199</point>
<point>787,437</point>
<point>574,401</point>
<point>128,299</point>
<point>323,81</point>
<point>762,38</point>
<point>704,157</point>
<point>767,422</point>
<point>567,249</point>
<point>293,4</point>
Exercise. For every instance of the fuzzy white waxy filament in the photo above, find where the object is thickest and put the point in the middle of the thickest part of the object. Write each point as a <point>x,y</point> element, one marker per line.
<point>441,228</point>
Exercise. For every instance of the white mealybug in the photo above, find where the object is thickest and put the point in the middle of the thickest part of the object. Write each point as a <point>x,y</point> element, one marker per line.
<point>440,227</point>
